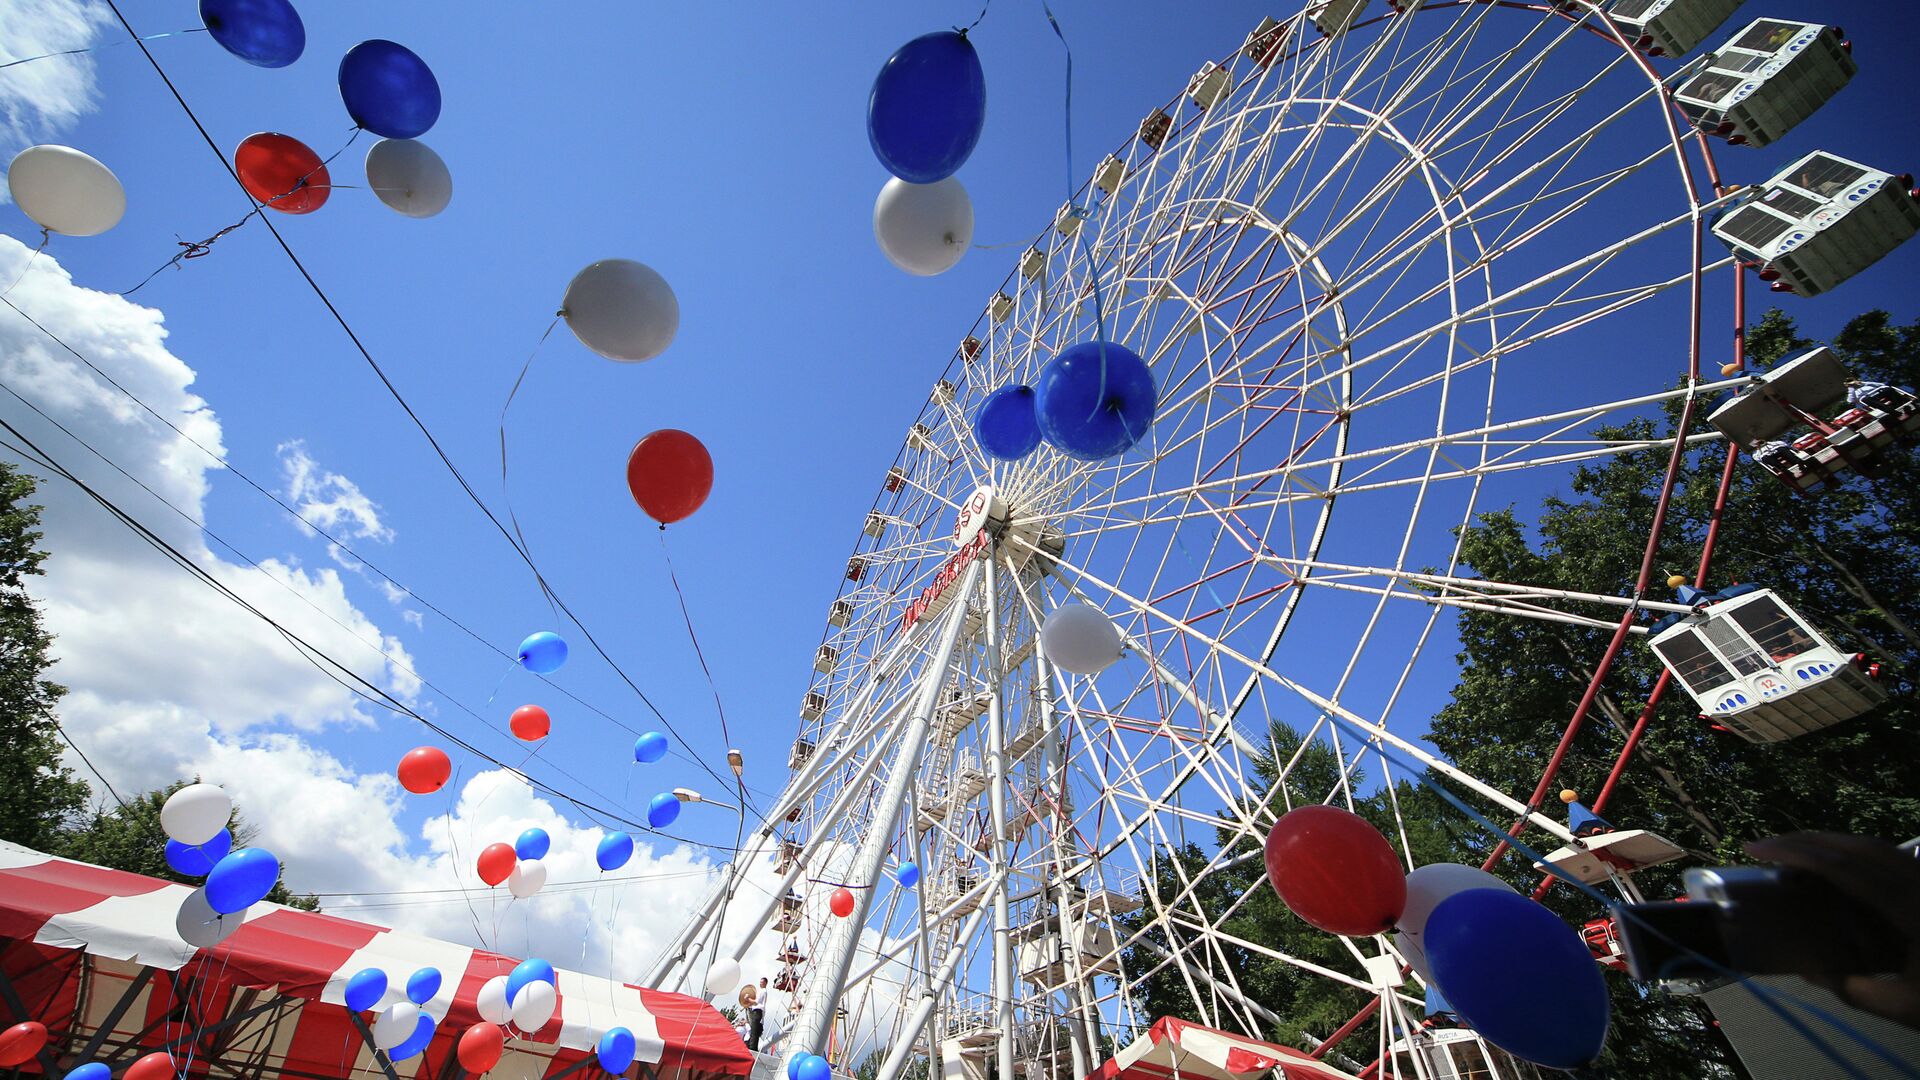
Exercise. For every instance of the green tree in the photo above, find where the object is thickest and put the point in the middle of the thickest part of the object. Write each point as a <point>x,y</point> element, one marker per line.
<point>131,838</point>
<point>1846,559</point>
<point>38,795</point>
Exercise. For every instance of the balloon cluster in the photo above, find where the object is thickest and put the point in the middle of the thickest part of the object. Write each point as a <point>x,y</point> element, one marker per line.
<point>403,1028</point>
<point>808,1067</point>
<point>924,117</point>
<point>200,844</point>
<point>1093,401</point>
<point>1512,969</point>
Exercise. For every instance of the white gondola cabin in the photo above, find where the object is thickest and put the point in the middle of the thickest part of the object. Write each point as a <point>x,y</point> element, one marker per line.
<point>1757,669</point>
<point>1333,17</point>
<point>1456,1054</point>
<point>1809,422</point>
<point>1822,220</point>
<point>1670,27</point>
<point>1771,76</point>
<point>812,705</point>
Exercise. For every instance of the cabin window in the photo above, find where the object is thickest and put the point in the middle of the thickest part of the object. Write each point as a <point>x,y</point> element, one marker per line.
<point>1791,203</point>
<point>1768,35</point>
<point>1691,661</point>
<point>1403,1064</point>
<point>1711,86</point>
<point>1741,63</point>
<point>1469,1063</point>
<point>1825,176</point>
<point>1777,633</point>
<point>1729,644</point>
<point>1754,228</point>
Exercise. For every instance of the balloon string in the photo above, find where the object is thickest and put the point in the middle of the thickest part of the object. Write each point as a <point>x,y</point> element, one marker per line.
<point>193,250</point>
<point>725,735</point>
<point>962,30</point>
<point>506,492</point>
<point>46,237</point>
<point>97,48</point>
<point>1075,209</point>
<point>454,844</point>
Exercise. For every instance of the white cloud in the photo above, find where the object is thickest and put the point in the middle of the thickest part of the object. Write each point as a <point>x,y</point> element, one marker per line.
<point>330,500</point>
<point>43,98</point>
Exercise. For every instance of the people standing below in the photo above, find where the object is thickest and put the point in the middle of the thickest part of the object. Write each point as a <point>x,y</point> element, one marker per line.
<point>755,1013</point>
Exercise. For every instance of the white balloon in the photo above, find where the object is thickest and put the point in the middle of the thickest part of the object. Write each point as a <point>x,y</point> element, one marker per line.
<point>923,229</point>
<point>622,310</point>
<point>409,177</point>
<point>201,926</point>
<point>529,876</point>
<point>1428,885</point>
<point>66,191</point>
<point>1081,639</point>
<point>395,1023</point>
<point>196,813</point>
<point>492,1001</point>
<point>534,1006</point>
<point>723,976</point>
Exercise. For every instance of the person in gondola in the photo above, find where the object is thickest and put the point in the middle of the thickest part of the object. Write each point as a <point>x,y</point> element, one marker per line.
<point>1775,455</point>
<point>1866,394</point>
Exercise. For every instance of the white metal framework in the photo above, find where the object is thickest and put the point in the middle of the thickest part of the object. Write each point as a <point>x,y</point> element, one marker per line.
<point>1378,277</point>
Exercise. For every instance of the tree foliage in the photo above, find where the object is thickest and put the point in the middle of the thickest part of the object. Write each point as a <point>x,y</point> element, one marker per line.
<point>38,795</point>
<point>1846,559</point>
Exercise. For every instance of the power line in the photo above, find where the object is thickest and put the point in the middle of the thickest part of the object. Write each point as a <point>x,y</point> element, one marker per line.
<point>394,391</point>
<point>295,513</point>
<point>321,660</point>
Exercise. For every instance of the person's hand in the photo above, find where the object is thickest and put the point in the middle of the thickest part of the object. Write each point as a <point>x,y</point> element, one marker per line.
<point>1885,879</point>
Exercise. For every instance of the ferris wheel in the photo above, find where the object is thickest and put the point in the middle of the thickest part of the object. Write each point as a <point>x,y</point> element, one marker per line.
<point>1389,269</point>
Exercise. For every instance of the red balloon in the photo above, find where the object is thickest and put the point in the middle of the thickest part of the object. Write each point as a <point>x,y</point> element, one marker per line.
<point>1336,871</point>
<point>282,173</point>
<point>19,1043</point>
<point>155,1066</point>
<point>530,722</point>
<point>480,1047</point>
<point>496,862</point>
<point>670,474</point>
<point>424,769</point>
<point>842,902</point>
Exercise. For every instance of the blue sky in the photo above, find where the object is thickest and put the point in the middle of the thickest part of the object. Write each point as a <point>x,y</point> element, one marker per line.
<point>728,152</point>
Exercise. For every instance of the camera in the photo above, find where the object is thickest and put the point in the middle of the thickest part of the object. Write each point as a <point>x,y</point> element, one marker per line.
<point>1757,920</point>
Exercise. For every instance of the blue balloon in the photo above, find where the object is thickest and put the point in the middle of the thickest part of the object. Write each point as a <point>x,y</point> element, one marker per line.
<point>662,811</point>
<point>533,844</point>
<point>928,105</point>
<point>907,874</point>
<point>422,985</point>
<point>1005,426</point>
<point>389,91</point>
<point>815,1067</point>
<point>528,971</point>
<point>1519,976</point>
<point>198,860</point>
<point>793,1065</point>
<point>1094,400</point>
<point>543,653</point>
<point>241,880</point>
<point>92,1070</point>
<point>615,849</point>
<point>365,989</point>
<point>650,748</point>
<point>266,33</point>
<point>616,1050</point>
<point>416,1042</point>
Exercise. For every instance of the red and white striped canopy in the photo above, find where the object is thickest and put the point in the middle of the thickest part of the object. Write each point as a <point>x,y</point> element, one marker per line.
<point>74,937</point>
<point>1173,1047</point>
